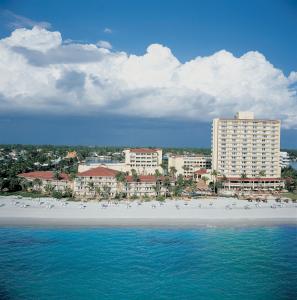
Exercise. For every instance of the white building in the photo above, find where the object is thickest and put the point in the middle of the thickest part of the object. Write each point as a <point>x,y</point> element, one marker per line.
<point>101,182</point>
<point>186,165</point>
<point>245,145</point>
<point>144,161</point>
<point>284,159</point>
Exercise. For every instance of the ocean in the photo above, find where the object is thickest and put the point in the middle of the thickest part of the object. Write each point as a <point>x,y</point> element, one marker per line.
<point>148,263</point>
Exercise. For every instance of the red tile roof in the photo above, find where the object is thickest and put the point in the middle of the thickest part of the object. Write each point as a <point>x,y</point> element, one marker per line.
<point>201,171</point>
<point>45,175</point>
<point>98,172</point>
<point>143,150</point>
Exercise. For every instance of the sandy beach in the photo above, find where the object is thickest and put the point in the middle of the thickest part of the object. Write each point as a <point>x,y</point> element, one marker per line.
<point>202,212</point>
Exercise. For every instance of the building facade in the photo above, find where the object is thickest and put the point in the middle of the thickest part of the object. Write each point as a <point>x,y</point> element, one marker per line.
<point>144,161</point>
<point>284,159</point>
<point>246,147</point>
<point>102,182</point>
<point>47,179</point>
<point>186,165</point>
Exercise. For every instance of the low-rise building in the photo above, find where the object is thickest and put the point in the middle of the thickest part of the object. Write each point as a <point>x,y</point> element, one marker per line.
<point>252,184</point>
<point>102,182</point>
<point>96,181</point>
<point>46,179</point>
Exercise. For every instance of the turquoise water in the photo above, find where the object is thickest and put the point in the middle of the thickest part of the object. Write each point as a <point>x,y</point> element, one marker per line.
<point>131,263</point>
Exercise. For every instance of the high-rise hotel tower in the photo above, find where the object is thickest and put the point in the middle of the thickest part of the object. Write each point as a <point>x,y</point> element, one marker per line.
<point>246,147</point>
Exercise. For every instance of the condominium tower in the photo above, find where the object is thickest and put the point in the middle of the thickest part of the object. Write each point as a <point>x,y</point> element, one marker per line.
<point>246,147</point>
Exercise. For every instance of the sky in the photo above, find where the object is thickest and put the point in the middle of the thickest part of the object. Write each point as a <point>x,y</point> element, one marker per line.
<point>144,73</point>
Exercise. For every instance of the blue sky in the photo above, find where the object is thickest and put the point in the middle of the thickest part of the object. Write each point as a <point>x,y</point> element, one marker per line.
<point>188,28</point>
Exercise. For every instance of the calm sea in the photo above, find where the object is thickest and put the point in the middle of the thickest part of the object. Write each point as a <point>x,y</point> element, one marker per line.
<point>130,263</point>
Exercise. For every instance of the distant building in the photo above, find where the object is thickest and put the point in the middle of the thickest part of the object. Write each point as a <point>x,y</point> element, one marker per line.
<point>186,165</point>
<point>284,159</point>
<point>144,161</point>
<point>71,154</point>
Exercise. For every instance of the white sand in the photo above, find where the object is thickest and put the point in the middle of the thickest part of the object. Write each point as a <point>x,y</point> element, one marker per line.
<point>171,213</point>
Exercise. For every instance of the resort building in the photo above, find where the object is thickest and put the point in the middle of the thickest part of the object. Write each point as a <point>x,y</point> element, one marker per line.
<point>186,165</point>
<point>45,181</point>
<point>102,182</point>
<point>144,161</point>
<point>246,152</point>
<point>253,184</point>
<point>246,146</point>
<point>96,181</point>
<point>284,159</point>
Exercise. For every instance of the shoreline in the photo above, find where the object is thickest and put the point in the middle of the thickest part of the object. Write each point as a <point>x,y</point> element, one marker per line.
<point>143,223</point>
<point>217,212</point>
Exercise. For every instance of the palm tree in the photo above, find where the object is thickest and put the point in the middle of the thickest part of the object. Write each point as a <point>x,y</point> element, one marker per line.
<point>49,189</point>
<point>157,173</point>
<point>134,175</point>
<point>121,179</point>
<point>57,175</point>
<point>167,185</point>
<point>172,171</point>
<point>106,192</point>
<point>37,183</point>
<point>91,186</point>
<point>98,192</point>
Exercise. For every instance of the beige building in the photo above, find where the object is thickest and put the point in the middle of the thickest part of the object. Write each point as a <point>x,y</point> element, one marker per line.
<point>47,179</point>
<point>101,182</point>
<point>186,165</point>
<point>144,161</point>
<point>245,145</point>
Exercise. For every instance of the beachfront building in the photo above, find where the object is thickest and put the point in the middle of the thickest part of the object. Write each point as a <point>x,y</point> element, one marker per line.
<point>245,147</point>
<point>253,184</point>
<point>284,159</point>
<point>146,186</point>
<point>187,165</point>
<point>103,182</point>
<point>46,181</point>
<point>145,161</point>
<point>96,181</point>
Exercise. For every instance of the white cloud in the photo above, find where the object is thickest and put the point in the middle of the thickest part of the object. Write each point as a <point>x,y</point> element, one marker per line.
<point>107,30</point>
<point>38,72</point>
<point>104,44</point>
<point>15,21</point>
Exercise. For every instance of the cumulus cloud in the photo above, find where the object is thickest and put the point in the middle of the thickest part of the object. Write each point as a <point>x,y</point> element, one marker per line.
<point>39,72</point>
<point>104,44</point>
